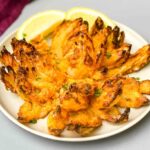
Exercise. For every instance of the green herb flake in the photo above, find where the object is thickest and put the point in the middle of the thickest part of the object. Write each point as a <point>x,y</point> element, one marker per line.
<point>137,78</point>
<point>97,92</point>
<point>33,121</point>
<point>38,78</point>
<point>65,87</point>
<point>24,35</point>
<point>108,55</point>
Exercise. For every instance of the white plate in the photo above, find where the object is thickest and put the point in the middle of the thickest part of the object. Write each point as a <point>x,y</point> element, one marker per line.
<point>10,102</point>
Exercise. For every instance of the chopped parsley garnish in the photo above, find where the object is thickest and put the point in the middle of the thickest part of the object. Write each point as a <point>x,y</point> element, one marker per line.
<point>38,78</point>
<point>24,35</point>
<point>108,55</point>
<point>97,92</point>
<point>137,78</point>
<point>65,86</point>
<point>33,121</point>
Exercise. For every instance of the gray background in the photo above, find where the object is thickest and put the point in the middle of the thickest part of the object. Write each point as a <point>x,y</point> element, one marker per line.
<point>135,14</point>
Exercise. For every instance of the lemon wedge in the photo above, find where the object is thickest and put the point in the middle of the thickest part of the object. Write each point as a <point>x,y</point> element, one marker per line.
<point>89,15</point>
<point>43,23</point>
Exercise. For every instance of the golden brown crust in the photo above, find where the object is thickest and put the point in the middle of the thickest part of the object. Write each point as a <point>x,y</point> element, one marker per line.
<point>113,114</point>
<point>57,121</point>
<point>33,111</point>
<point>84,118</point>
<point>63,32</point>
<point>135,62</point>
<point>77,80</point>
<point>107,94</point>
<point>145,87</point>
<point>116,57</point>
<point>99,40</point>
<point>41,45</point>
<point>131,95</point>
<point>77,96</point>
<point>97,26</point>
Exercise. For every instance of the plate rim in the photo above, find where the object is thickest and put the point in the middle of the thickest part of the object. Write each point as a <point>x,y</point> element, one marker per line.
<point>78,139</point>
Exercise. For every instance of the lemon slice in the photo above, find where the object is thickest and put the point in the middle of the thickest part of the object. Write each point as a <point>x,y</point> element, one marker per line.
<point>43,23</point>
<point>88,15</point>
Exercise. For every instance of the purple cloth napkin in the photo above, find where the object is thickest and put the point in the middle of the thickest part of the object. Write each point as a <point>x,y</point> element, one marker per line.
<point>9,11</point>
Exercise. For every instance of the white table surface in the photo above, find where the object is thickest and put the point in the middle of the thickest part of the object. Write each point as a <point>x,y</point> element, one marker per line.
<point>135,14</point>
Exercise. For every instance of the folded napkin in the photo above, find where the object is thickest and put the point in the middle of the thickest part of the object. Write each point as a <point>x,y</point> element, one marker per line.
<point>9,11</point>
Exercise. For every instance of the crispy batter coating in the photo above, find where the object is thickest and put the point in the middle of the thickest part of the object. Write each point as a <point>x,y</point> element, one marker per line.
<point>80,55</point>
<point>33,111</point>
<point>135,62</point>
<point>62,34</point>
<point>77,79</point>
<point>74,101</point>
<point>99,36</point>
<point>97,26</point>
<point>76,96</point>
<point>73,49</point>
<point>113,114</point>
<point>111,51</point>
<point>84,131</point>
<point>8,60</point>
<point>84,121</point>
<point>8,78</point>
<point>145,87</point>
<point>116,57</point>
<point>81,118</point>
<point>29,73</point>
<point>131,96</point>
<point>106,94</point>
<point>99,41</point>
<point>115,38</point>
<point>57,121</point>
<point>117,51</point>
<point>40,44</point>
